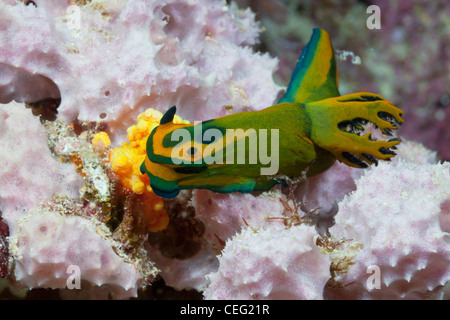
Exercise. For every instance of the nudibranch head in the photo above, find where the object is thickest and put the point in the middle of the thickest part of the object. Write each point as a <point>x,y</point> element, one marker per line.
<point>127,159</point>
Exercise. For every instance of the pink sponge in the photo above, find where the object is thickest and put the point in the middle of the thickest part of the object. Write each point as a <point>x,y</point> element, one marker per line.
<point>29,173</point>
<point>225,214</point>
<point>55,250</point>
<point>271,263</point>
<point>110,61</point>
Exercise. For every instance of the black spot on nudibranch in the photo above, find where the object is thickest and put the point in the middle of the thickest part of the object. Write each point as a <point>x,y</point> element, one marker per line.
<point>361,98</point>
<point>387,151</point>
<point>389,118</point>
<point>354,159</point>
<point>371,158</point>
<point>190,170</point>
<point>355,126</point>
<point>192,151</point>
<point>371,98</point>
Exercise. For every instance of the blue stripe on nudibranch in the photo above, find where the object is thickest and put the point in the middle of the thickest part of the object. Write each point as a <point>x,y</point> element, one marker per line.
<point>305,60</point>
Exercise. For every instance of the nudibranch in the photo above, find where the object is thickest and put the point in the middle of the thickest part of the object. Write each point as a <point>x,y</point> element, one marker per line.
<point>310,127</point>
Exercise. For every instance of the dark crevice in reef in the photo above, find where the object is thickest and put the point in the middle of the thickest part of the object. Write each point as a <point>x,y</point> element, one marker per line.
<point>46,109</point>
<point>183,237</point>
<point>38,92</point>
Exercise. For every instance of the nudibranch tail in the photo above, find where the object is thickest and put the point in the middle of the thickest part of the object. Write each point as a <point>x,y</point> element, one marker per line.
<point>315,76</point>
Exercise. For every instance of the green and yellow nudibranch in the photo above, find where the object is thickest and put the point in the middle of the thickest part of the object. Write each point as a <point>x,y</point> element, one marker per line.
<point>307,128</point>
